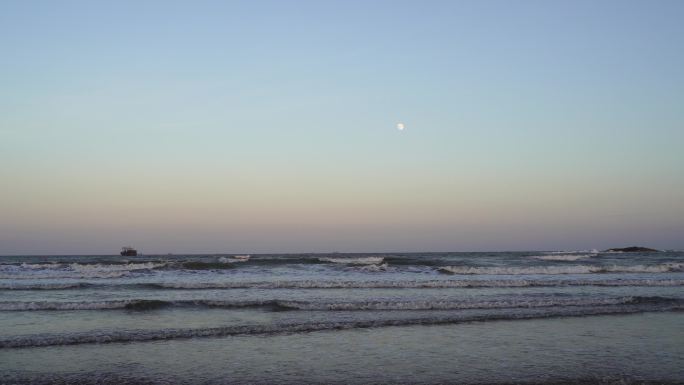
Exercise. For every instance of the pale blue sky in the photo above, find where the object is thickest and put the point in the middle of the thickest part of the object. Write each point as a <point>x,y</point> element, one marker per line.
<point>269,126</point>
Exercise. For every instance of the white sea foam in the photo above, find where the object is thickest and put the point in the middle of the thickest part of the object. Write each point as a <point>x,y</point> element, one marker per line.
<point>373,268</point>
<point>37,266</point>
<point>573,269</point>
<point>353,260</point>
<point>563,257</point>
<point>234,259</point>
<point>592,251</point>
<point>65,274</point>
<point>74,270</point>
<point>116,267</point>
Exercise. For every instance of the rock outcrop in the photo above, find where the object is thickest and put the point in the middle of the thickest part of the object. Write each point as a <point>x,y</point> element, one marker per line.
<point>632,249</point>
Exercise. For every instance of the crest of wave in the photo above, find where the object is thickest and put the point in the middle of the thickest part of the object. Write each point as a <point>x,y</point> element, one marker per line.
<point>592,251</point>
<point>354,260</point>
<point>66,274</point>
<point>85,266</point>
<point>576,269</point>
<point>115,267</point>
<point>39,266</point>
<point>234,259</point>
<point>374,268</point>
<point>28,267</point>
<point>563,257</point>
<point>76,270</point>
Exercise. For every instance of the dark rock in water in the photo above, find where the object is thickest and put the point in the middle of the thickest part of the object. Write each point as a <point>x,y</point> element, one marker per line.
<point>633,249</point>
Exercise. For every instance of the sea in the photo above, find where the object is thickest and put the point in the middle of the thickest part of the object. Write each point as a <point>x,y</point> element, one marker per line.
<point>538,317</point>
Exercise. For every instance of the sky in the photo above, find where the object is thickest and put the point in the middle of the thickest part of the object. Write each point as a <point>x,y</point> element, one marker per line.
<point>271,126</point>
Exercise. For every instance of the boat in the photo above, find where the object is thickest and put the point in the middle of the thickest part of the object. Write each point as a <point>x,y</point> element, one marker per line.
<point>128,251</point>
<point>242,257</point>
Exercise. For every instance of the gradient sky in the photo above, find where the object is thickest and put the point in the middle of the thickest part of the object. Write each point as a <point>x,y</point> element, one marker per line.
<point>270,126</point>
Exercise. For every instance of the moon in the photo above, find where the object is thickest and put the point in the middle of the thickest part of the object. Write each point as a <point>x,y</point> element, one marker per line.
<point>400,126</point>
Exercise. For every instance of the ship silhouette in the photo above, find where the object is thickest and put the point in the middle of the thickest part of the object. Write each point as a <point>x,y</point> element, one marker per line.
<point>128,251</point>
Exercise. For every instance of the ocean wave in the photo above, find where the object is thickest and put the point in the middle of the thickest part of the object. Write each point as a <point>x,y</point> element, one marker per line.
<point>591,251</point>
<point>412,284</point>
<point>234,259</point>
<point>552,270</point>
<point>470,304</point>
<point>384,284</point>
<point>353,260</point>
<point>563,257</point>
<point>142,304</point>
<point>192,265</point>
<point>276,304</point>
<point>44,286</point>
<point>111,336</point>
<point>373,268</point>
<point>67,274</point>
<point>76,266</point>
<point>35,266</point>
<point>74,270</point>
<point>94,305</point>
<point>117,267</point>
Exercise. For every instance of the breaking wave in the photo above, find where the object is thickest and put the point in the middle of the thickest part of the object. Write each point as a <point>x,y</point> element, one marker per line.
<point>373,268</point>
<point>353,260</point>
<point>592,251</point>
<point>117,267</point>
<point>66,274</point>
<point>74,270</point>
<point>575,269</point>
<point>111,336</point>
<point>234,259</point>
<point>563,257</point>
